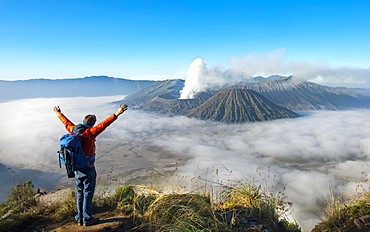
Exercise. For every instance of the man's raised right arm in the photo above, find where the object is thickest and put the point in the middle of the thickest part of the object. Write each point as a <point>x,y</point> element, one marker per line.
<point>121,109</point>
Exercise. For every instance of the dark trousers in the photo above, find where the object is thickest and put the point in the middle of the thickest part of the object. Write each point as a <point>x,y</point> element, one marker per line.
<point>85,186</point>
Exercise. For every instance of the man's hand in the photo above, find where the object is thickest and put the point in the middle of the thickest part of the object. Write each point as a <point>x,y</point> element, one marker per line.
<point>57,110</point>
<point>121,109</point>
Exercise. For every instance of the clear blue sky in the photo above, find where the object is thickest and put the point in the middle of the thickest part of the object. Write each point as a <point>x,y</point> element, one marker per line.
<point>158,39</point>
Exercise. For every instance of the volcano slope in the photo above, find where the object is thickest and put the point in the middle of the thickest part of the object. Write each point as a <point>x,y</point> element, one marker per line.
<point>299,95</point>
<point>239,105</point>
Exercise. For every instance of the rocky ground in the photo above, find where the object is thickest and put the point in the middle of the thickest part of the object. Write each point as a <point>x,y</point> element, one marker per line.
<point>109,221</point>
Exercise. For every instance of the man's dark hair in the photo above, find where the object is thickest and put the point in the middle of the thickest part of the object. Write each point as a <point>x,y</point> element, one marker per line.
<point>90,119</point>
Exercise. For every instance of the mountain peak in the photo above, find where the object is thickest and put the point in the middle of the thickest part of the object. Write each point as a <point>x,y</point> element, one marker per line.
<point>239,105</point>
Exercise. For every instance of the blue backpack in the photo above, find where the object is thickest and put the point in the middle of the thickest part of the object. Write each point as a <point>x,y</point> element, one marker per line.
<point>71,154</point>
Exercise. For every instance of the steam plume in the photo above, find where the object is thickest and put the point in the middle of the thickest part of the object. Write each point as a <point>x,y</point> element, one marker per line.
<point>193,83</point>
<point>199,78</point>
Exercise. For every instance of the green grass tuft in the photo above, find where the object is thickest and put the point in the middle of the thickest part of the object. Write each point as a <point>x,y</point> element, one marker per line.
<point>182,212</point>
<point>65,208</point>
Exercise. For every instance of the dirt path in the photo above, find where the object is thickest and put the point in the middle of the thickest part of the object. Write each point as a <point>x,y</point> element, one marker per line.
<point>109,221</point>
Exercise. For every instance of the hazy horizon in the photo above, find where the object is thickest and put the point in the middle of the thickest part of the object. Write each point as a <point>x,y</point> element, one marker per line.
<point>306,154</point>
<point>335,77</point>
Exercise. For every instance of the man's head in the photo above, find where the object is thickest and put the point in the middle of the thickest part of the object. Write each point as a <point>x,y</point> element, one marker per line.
<point>89,120</point>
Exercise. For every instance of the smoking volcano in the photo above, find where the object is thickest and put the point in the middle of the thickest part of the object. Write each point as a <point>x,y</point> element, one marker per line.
<point>239,105</point>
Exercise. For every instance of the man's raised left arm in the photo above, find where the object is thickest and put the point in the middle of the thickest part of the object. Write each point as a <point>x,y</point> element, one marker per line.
<point>67,123</point>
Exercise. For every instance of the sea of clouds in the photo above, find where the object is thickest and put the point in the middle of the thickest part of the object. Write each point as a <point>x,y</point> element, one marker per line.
<point>306,155</point>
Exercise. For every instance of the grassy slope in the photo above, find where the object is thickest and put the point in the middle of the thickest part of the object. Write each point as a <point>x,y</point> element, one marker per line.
<point>238,206</point>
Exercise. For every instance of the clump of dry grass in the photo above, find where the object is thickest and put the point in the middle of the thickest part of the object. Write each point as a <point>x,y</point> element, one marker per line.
<point>20,208</point>
<point>250,196</point>
<point>122,199</point>
<point>144,197</point>
<point>65,208</point>
<point>182,212</point>
<point>340,213</point>
<point>258,201</point>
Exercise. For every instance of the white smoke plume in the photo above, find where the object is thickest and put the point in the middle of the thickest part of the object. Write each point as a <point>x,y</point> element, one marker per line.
<point>200,77</point>
<point>194,73</point>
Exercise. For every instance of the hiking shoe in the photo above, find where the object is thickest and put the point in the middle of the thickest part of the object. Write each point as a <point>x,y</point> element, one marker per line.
<point>91,222</point>
<point>80,222</point>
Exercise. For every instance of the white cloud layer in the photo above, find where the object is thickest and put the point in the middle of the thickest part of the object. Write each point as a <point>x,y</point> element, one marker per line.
<point>274,63</point>
<point>306,154</point>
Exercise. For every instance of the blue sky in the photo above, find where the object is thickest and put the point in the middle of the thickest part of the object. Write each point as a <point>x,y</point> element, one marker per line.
<point>159,39</point>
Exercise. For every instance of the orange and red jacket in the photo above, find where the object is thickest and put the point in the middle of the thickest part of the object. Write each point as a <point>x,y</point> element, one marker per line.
<point>89,135</point>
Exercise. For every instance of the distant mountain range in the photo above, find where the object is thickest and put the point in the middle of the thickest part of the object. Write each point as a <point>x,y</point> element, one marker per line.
<point>255,99</point>
<point>77,87</point>
<point>270,98</point>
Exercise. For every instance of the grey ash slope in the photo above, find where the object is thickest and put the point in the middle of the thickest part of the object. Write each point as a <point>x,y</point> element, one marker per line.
<point>239,105</point>
<point>167,89</point>
<point>300,95</point>
<point>162,97</point>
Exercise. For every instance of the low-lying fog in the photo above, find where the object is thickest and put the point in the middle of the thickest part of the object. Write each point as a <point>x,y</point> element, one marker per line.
<point>307,154</point>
